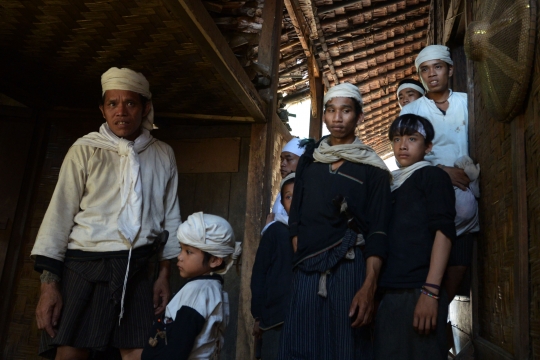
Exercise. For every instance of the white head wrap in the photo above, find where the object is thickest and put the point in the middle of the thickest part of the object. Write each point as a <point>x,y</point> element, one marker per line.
<point>343,90</point>
<point>212,234</point>
<point>419,128</point>
<point>433,52</point>
<point>288,177</point>
<point>127,79</point>
<point>409,86</point>
<point>293,146</point>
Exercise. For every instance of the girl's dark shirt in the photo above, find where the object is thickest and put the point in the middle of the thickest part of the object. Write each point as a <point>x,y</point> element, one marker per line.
<point>271,276</point>
<point>317,221</point>
<point>423,204</point>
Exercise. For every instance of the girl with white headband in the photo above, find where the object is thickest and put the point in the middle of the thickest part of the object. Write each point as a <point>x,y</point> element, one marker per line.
<point>195,320</point>
<point>412,313</point>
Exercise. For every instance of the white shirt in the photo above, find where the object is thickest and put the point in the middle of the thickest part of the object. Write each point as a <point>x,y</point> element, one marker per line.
<point>84,208</point>
<point>451,130</point>
<point>206,296</point>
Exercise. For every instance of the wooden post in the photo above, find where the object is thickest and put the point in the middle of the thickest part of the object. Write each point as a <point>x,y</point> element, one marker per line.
<point>521,241</point>
<point>316,90</point>
<point>260,171</point>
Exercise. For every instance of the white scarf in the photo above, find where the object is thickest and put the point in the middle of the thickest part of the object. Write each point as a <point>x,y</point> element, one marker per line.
<point>130,216</point>
<point>402,174</point>
<point>356,152</point>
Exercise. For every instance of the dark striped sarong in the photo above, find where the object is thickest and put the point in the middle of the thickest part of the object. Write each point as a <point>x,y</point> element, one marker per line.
<point>319,327</point>
<point>91,294</point>
<point>395,337</point>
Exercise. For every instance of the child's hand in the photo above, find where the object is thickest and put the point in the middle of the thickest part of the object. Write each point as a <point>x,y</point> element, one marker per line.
<point>257,332</point>
<point>425,314</point>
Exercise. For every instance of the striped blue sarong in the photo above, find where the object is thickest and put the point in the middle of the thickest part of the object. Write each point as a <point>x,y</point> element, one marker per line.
<point>318,327</point>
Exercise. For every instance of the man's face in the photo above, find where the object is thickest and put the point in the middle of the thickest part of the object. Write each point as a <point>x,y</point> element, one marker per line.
<point>123,111</point>
<point>410,149</point>
<point>435,75</point>
<point>288,164</point>
<point>341,119</point>
<point>408,95</point>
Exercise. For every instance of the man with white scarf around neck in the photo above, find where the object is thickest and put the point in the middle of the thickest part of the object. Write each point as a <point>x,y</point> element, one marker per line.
<point>338,251</point>
<point>116,192</point>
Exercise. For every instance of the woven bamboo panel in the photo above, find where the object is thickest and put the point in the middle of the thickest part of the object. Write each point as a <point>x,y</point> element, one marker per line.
<point>63,47</point>
<point>495,241</point>
<point>532,146</point>
<point>23,337</point>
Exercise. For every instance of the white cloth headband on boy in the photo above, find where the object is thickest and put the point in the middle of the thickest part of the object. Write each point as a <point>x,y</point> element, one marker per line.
<point>419,128</point>
<point>294,147</point>
<point>212,234</point>
<point>343,90</point>
<point>409,86</point>
<point>433,52</point>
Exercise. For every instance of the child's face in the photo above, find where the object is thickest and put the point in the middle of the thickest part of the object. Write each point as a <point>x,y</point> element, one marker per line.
<point>410,149</point>
<point>286,199</point>
<point>408,95</point>
<point>435,75</point>
<point>191,262</point>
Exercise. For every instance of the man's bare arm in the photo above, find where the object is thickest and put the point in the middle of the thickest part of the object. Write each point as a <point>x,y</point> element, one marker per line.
<point>363,302</point>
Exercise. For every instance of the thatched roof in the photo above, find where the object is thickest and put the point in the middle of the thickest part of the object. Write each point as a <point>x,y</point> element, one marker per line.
<point>193,52</point>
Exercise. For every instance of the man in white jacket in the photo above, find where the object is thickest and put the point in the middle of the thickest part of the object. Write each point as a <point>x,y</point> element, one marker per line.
<point>116,193</point>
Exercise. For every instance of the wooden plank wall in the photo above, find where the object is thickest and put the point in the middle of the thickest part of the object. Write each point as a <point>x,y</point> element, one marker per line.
<point>222,194</point>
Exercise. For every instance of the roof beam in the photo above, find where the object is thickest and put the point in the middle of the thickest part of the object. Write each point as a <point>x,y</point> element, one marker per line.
<point>335,6</point>
<point>198,23</point>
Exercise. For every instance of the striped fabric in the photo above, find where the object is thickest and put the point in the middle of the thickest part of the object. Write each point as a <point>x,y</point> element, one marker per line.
<point>462,251</point>
<point>91,292</point>
<point>395,337</point>
<point>320,328</point>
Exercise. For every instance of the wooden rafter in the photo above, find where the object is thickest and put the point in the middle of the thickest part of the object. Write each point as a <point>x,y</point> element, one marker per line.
<point>204,31</point>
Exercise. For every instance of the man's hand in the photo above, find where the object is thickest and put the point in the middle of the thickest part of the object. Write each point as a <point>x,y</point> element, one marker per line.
<point>162,292</point>
<point>269,218</point>
<point>457,176</point>
<point>295,243</point>
<point>362,306</point>
<point>257,332</point>
<point>49,308</point>
<point>425,315</point>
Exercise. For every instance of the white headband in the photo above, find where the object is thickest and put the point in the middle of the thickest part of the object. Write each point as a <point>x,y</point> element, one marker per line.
<point>293,146</point>
<point>409,86</point>
<point>343,90</point>
<point>288,177</point>
<point>419,128</point>
<point>127,79</point>
<point>212,234</point>
<point>433,52</point>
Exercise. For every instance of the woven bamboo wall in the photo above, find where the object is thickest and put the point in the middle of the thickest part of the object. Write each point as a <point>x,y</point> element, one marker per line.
<point>495,242</point>
<point>223,194</point>
<point>532,147</point>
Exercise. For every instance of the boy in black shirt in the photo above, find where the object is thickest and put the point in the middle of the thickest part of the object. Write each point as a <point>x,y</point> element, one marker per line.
<point>419,242</point>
